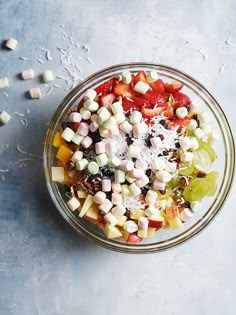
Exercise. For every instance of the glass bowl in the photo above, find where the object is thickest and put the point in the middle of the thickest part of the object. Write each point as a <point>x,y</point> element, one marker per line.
<point>225,163</point>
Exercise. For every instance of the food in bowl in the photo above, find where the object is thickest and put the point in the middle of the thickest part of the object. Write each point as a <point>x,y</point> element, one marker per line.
<point>135,156</point>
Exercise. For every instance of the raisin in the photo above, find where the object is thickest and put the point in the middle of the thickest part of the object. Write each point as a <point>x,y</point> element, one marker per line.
<point>162,192</point>
<point>129,139</point>
<point>96,137</point>
<point>149,172</point>
<point>161,136</point>
<point>165,153</point>
<point>164,123</point>
<point>147,141</point>
<point>177,145</point>
<point>144,190</point>
<point>70,165</point>
<point>107,172</point>
<point>66,124</point>
<point>187,204</point>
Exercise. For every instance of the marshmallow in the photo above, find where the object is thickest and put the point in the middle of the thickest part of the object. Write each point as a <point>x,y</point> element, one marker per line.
<point>27,74</point>
<point>57,173</point>
<point>75,117</point>
<point>158,164</point>
<point>140,129</point>
<point>114,162</point>
<point>141,164</point>
<point>151,211</point>
<point>110,219</point>
<point>83,129</point>
<point>91,105</point>
<point>203,117</point>
<point>130,226</point>
<point>11,43</point>
<point>4,117</point>
<point>106,185</point>
<point>170,167</point>
<point>196,206</point>
<point>186,214</point>
<point>105,206</point>
<point>134,151</point>
<point>110,123</point>
<point>142,181</point>
<point>117,107</point>
<point>100,147</point>
<point>185,143</point>
<point>104,132</point>
<point>119,176</point>
<point>73,204</point>
<point>35,93</point>
<point>194,107</point>
<point>198,133</point>
<point>86,142</point>
<point>93,126</point>
<point>195,144</point>
<point>137,173</point>
<point>152,76</point>
<point>48,76</point>
<point>163,176</point>
<point>85,114</point>
<point>126,165</point>
<point>116,187</point>
<point>82,164</point>
<point>156,142</point>
<point>77,139</point>
<point>102,159</point>
<point>158,185</point>
<point>141,87</point>
<point>67,134</point>
<point>120,118</point>
<point>126,127</point>
<point>134,190</point>
<point>186,157</point>
<point>151,197</point>
<point>4,83</point>
<point>125,190</point>
<point>103,115</point>
<point>143,223</point>
<point>118,210</point>
<point>206,128</point>
<point>181,112</point>
<point>90,94</point>
<point>116,199</point>
<point>99,197</point>
<point>77,156</point>
<point>129,178</point>
<point>126,77</point>
<point>192,124</point>
<point>213,137</point>
<point>135,117</point>
<point>110,148</point>
<point>93,167</point>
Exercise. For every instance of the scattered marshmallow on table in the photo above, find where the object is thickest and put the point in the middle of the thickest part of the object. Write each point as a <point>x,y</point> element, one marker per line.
<point>158,184</point>
<point>110,219</point>
<point>99,197</point>
<point>126,165</point>
<point>93,167</point>
<point>11,43</point>
<point>4,83</point>
<point>78,155</point>
<point>106,206</point>
<point>186,214</point>
<point>134,151</point>
<point>116,187</point>
<point>140,129</point>
<point>67,134</point>
<point>48,76</point>
<point>135,117</point>
<point>186,157</point>
<point>27,74</point>
<point>126,77</point>
<point>86,142</point>
<point>75,117</point>
<point>93,126</point>
<point>156,142</point>
<point>91,105</point>
<point>181,112</point>
<point>106,184</point>
<point>116,199</point>
<point>152,76</point>
<point>73,204</point>
<point>163,176</point>
<point>141,87</point>
<point>102,159</point>
<point>118,210</point>
<point>35,93</point>
<point>126,126</point>
<point>130,226</point>
<point>58,174</point>
<point>142,181</point>
<point>83,129</point>
<point>117,107</point>
<point>90,94</point>
<point>143,223</point>
<point>4,117</point>
<point>151,197</point>
<point>100,147</point>
<point>82,164</point>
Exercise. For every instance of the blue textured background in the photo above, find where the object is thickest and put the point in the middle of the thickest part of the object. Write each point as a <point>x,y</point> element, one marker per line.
<point>45,267</point>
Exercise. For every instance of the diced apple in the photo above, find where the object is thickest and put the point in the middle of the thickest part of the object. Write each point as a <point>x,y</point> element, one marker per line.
<point>170,202</point>
<point>135,214</point>
<point>112,231</point>
<point>121,220</point>
<point>172,212</point>
<point>156,223</point>
<point>92,213</point>
<point>142,233</point>
<point>133,238</point>
<point>82,194</point>
<point>125,235</point>
<point>151,231</point>
<point>87,204</point>
<point>175,223</point>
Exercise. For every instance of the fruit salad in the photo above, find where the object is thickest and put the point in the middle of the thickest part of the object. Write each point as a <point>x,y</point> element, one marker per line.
<point>135,156</point>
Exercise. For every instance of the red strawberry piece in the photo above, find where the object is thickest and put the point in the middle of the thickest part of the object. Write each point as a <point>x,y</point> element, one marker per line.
<point>107,99</point>
<point>152,112</point>
<point>122,89</point>
<point>128,104</point>
<point>80,105</point>
<point>158,86</point>
<point>133,238</point>
<point>154,223</point>
<point>180,121</point>
<point>106,87</point>
<point>173,87</point>
<point>75,126</point>
<point>140,76</point>
<point>169,112</point>
<point>153,98</point>
<point>181,99</point>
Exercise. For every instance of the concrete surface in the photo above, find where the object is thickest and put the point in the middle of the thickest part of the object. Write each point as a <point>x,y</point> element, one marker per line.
<point>45,267</point>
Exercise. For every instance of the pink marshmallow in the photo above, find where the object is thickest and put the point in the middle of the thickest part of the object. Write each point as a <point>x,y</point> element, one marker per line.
<point>110,148</point>
<point>83,129</point>
<point>106,185</point>
<point>158,185</point>
<point>126,165</point>
<point>114,131</point>
<point>151,197</point>
<point>143,223</point>
<point>126,127</point>
<point>116,187</point>
<point>86,142</point>
<point>156,142</point>
<point>116,199</point>
<point>99,197</point>
<point>118,210</point>
<point>142,181</point>
<point>77,156</point>
<point>93,126</point>
<point>75,117</point>
<point>90,94</point>
<point>141,165</point>
<point>100,147</point>
<point>137,173</point>
<point>106,206</point>
<point>170,167</point>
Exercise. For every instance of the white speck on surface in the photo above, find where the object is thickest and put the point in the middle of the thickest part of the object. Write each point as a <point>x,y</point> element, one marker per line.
<point>5,94</point>
<point>50,90</point>
<point>28,111</point>
<point>204,56</point>
<point>47,53</point>
<point>19,114</point>
<point>3,178</point>
<point>20,150</point>
<point>6,170</point>
<point>57,86</point>
<point>229,44</point>
<point>89,60</point>
<point>40,61</point>
<point>221,68</point>
<point>24,58</point>
<point>24,122</point>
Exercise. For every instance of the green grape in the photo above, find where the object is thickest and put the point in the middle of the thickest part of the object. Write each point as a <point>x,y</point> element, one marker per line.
<point>174,181</point>
<point>206,146</point>
<point>212,180</point>
<point>166,195</point>
<point>196,190</point>
<point>186,169</point>
<point>201,160</point>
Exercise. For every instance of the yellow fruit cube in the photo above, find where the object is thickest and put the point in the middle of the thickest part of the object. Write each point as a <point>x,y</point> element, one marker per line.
<point>64,153</point>
<point>175,223</point>
<point>121,220</point>
<point>87,204</point>
<point>82,194</point>
<point>151,231</point>
<point>112,231</point>
<point>57,140</point>
<point>135,214</point>
<point>125,235</point>
<point>92,213</point>
<point>142,233</point>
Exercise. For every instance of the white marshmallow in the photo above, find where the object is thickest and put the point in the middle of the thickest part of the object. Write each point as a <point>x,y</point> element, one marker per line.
<point>213,137</point>
<point>86,142</point>
<point>100,147</point>
<point>91,105</point>
<point>126,77</point>
<point>116,187</point>
<point>142,181</point>
<point>206,128</point>
<point>158,164</point>
<point>125,190</point>
<point>186,214</point>
<point>93,167</point>
<point>93,126</point>
<point>194,107</point>
<point>73,204</point>
<point>57,173</point>
<point>185,143</point>
<point>195,144</point>
<point>83,129</point>
<point>77,139</point>
<point>110,148</point>
<point>158,184</point>
<point>152,76</point>
<point>140,129</point>
<point>82,164</point>
<point>103,115</point>
<point>27,74</point>
<point>143,223</point>
<point>11,43</point>
<point>192,124</point>
<point>136,117</point>
<point>130,226</point>
<point>116,199</point>
<point>156,142</point>
<point>114,161</point>
<point>48,76</point>
<point>126,127</point>
<point>134,151</point>
<point>85,114</point>
<point>196,206</point>
<point>137,173</point>
<point>134,190</point>
<point>105,206</point>
<point>110,219</point>
<point>181,112</point>
<point>129,178</point>
<point>118,210</point>
<point>163,176</point>
<point>126,165</point>
<point>203,117</point>
<point>99,197</point>
<point>141,87</point>
<point>104,132</point>
<point>90,94</point>
<point>106,185</point>
<point>75,117</point>
<point>151,211</point>
<point>186,157</point>
<point>198,133</point>
<point>119,176</point>
<point>67,134</point>
<point>35,93</point>
<point>151,197</point>
<point>102,159</point>
<point>170,167</point>
<point>4,83</point>
<point>4,117</point>
<point>117,107</point>
<point>119,117</point>
<point>141,164</point>
<point>77,156</point>
<point>114,131</point>
<point>110,123</point>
